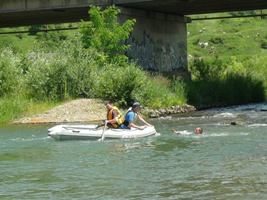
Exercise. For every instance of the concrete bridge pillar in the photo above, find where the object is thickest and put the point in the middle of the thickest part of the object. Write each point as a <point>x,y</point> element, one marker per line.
<point>158,42</point>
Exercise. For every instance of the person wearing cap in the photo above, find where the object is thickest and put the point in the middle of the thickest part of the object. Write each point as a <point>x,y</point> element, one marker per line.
<point>130,117</point>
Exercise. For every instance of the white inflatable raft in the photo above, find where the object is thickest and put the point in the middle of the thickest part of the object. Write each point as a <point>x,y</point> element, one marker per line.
<point>90,132</point>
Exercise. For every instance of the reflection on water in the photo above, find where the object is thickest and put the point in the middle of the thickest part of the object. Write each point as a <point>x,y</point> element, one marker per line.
<point>226,162</point>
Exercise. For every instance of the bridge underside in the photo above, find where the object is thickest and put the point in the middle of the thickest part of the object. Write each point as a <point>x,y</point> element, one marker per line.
<point>18,12</point>
<point>54,16</point>
<point>190,7</point>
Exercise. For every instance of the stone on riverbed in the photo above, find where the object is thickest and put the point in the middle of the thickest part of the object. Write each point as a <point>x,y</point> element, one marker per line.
<point>155,113</point>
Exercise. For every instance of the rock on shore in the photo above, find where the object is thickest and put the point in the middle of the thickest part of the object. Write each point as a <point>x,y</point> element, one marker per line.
<point>155,113</point>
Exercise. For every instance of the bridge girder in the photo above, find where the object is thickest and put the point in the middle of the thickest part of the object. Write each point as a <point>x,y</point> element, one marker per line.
<point>27,12</point>
<point>190,7</point>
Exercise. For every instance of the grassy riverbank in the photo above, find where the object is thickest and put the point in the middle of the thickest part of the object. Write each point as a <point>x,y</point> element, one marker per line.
<point>227,60</point>
<point>14,107</point>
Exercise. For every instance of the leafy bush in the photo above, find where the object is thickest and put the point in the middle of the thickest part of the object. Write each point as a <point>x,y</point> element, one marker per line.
<point>119,83</point>
<point>10,73</point>
<point>206,69</point>
<point>228,84</point>
<point>46,76</point>
<point>128,84</point>
<point>159,92</point>
<point>216,40</point>
<point>62,74</point>
<point>34,29</point>
<point>264,44</point>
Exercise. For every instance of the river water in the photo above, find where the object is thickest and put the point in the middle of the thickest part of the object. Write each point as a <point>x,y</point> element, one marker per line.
<point>226,162</point>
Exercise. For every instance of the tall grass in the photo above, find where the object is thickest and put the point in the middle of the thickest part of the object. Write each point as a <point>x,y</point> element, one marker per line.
<point>15,106</point>
<point>10,108</point>
<point>10,72</point>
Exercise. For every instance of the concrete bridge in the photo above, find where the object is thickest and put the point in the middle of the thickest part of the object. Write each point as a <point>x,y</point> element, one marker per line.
<point>159,39</point>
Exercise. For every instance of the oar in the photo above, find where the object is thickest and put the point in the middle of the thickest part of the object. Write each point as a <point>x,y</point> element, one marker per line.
<point>103,132</point>
<point>75,128</point>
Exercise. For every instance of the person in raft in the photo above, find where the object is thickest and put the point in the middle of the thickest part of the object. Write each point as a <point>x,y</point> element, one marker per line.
<point>114,116</point>
<point>130,117</point>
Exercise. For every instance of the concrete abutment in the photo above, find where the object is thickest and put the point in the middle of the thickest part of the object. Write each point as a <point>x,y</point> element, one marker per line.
<point>158,42</point>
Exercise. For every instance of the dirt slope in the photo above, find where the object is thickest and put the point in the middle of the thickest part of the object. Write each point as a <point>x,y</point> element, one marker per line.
<point>79,110</point>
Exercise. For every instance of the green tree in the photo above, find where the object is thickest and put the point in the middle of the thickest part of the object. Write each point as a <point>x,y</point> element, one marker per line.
<point>104,33</point>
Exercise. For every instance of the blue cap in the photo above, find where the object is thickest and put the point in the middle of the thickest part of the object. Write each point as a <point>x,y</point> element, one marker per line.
<point>136,104</point>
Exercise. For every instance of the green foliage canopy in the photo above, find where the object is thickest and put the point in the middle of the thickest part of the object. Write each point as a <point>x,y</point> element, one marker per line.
<point>104,33</point>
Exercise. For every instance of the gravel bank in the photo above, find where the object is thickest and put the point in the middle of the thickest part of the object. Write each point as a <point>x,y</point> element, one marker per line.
<point>79,110</point>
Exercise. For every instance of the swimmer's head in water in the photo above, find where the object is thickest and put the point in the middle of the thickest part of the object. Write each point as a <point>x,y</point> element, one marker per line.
<point>198,130</point>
